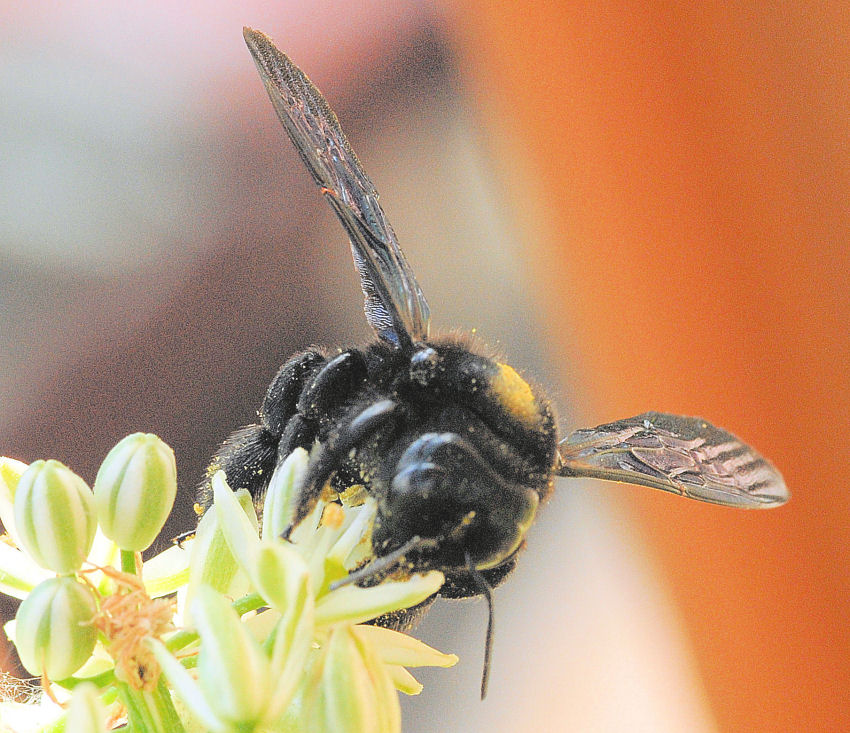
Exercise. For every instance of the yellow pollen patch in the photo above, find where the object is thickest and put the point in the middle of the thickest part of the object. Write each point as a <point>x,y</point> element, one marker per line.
<point>333,516</point>
<point>515,394</point>
<point>354,495</point>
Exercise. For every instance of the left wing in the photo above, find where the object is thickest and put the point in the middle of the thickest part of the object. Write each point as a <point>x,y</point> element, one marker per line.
<point>394,304</point>
<point>684,455</point>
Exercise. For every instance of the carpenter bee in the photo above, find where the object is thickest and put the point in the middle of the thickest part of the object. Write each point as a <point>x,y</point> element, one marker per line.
<point>455,447</point>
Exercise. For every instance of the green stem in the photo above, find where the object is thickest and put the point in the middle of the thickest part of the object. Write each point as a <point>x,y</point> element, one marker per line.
<point>182,639</point>
<point>251,602</point>
<point>137,717</point>
<point>166,714</point>
<point>102,681</point>
<point>128,561</point>
<point>150,711</point>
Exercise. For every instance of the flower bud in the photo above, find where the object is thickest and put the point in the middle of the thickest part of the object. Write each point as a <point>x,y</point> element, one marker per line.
<point>54,516</point>
<point>135,489</point>
<point>54,633</point>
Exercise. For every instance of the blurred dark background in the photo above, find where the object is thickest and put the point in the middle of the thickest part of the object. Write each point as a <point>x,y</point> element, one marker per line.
<point>640,208</point>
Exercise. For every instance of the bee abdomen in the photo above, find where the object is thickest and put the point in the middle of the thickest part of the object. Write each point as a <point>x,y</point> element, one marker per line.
<point>247,457</point>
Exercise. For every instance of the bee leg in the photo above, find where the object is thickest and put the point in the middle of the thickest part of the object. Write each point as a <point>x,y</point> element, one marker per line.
<point>248,455</point>
<point>462,585</point>
<point>326,457</point>
<point>405,619</point>
<point>332,385</point>
<point>282,396</point>
<point>329,385</point>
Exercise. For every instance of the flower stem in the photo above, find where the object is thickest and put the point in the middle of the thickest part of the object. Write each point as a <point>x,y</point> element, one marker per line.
<point>150,711</point>
<point>128,561</point>
<point>181,639</point>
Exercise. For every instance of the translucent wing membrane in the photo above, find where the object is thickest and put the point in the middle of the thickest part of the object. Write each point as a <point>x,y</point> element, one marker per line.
<point>684,455</point>
<point>395,306</point>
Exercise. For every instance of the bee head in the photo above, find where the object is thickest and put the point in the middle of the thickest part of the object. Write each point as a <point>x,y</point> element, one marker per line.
<point>444,490</point>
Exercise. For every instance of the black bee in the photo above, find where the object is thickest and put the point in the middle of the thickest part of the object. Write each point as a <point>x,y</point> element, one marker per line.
<point>457,449</point>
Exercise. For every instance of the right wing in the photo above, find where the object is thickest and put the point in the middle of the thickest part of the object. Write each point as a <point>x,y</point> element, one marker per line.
<point>684,455</point>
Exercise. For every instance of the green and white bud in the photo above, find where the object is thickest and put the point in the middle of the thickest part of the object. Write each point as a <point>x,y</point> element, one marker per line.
<point>54,633</point>
<point>135,489</point>
<point>54,516</point>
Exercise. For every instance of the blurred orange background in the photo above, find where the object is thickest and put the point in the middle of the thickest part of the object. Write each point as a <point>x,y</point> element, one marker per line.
<point>645,204</point>
<point>692,163</point>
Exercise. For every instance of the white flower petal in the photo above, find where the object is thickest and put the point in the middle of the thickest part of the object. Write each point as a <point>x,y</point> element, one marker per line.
<point>279,507</point>
<point>393,647</point>
<point>86,713</point>
<point>166,572</point>
<point>349,700</point>
<point>186,688</point>
<point>239,530</point>
<point>389,710</point>
<point>19,574</point>
<point>402,680</point>
<point>212,563</point>
<point>356,605</point>
<point>293,640</point>
<point>10,473</point>
<point>233,670</point>
<point>354,533</point>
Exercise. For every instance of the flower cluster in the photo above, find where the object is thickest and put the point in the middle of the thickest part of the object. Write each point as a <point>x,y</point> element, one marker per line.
<point>233,630</point>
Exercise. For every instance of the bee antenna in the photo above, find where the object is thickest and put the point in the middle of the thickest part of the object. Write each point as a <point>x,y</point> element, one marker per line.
<point>487,592</point>
<point>385,561</point>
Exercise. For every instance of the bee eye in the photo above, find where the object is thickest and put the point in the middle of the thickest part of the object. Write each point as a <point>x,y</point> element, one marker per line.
<point>423,366</point>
